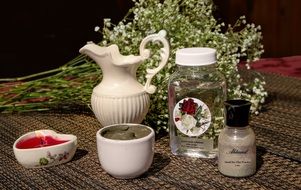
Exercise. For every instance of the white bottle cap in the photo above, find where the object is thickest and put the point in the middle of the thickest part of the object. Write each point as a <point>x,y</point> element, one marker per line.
<point>195,56</point>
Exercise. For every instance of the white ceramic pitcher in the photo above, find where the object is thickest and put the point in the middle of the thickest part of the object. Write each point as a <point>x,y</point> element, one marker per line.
<point>120,98</point>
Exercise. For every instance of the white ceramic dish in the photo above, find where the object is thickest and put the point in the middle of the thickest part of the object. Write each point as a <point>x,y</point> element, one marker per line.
<point>125,159</point>
<point>45,156</point>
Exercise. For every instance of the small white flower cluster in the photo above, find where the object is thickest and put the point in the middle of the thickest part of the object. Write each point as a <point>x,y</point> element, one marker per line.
<point>189,23</point>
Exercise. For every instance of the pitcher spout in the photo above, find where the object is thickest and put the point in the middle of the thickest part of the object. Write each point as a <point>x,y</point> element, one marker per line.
<point>93,50</point>
<point>111,52</point>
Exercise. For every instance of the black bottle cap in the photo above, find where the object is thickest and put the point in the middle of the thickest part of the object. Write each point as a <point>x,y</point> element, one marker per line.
<point>237,113</point>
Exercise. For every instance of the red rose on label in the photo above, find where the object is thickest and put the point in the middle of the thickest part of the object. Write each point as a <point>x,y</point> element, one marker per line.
<point>189,106</point>
<point>192,116</point>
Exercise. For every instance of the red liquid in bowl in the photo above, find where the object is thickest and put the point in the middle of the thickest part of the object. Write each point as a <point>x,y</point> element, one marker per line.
<point>37,142</point>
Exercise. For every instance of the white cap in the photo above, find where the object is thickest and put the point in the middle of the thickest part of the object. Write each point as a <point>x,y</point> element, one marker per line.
<point>195,56</point>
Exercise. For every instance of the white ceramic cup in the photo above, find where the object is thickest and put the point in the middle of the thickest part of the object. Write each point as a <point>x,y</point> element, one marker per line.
<point>125,159</point>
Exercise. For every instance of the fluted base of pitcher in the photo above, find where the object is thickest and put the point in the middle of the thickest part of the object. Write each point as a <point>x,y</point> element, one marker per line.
<point>111,110</point>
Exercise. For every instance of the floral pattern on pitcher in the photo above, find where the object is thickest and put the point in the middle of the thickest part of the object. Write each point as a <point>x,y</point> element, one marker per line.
<point>192,116</point>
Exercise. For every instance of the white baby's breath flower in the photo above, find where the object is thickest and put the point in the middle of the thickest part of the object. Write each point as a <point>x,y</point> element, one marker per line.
<point>107,22</point>
<point>97,28</point>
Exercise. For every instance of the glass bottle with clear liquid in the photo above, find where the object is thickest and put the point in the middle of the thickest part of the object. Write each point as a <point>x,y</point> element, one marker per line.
<point>196,92</point>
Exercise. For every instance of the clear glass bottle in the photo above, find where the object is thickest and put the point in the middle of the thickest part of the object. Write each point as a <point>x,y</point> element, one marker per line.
<point>237,147</point>
<point>196,92</point>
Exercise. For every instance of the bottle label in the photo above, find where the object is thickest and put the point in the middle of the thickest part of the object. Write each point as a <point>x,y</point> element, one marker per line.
<point>192,116</point>
<point>195,143</point>
<point>238,161</point>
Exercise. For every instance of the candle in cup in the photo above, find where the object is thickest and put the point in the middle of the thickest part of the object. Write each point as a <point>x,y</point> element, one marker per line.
<point>39,141</point>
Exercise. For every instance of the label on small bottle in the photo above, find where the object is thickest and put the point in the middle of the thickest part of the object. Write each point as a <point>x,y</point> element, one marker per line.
<point>237,161</point>
<point>192,116</point>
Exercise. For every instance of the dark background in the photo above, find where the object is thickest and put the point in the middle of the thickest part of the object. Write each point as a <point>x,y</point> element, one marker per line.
<point>40,35</point>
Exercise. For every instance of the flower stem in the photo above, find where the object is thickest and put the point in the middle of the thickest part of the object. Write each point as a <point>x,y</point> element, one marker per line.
<point>31,76</point>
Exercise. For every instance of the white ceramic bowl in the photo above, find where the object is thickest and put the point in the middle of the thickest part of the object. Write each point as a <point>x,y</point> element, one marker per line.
<point>45,156</point>
<point>125,159</point>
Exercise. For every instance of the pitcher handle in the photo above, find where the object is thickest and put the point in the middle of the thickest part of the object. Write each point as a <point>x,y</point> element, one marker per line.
<point>145,53</point>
